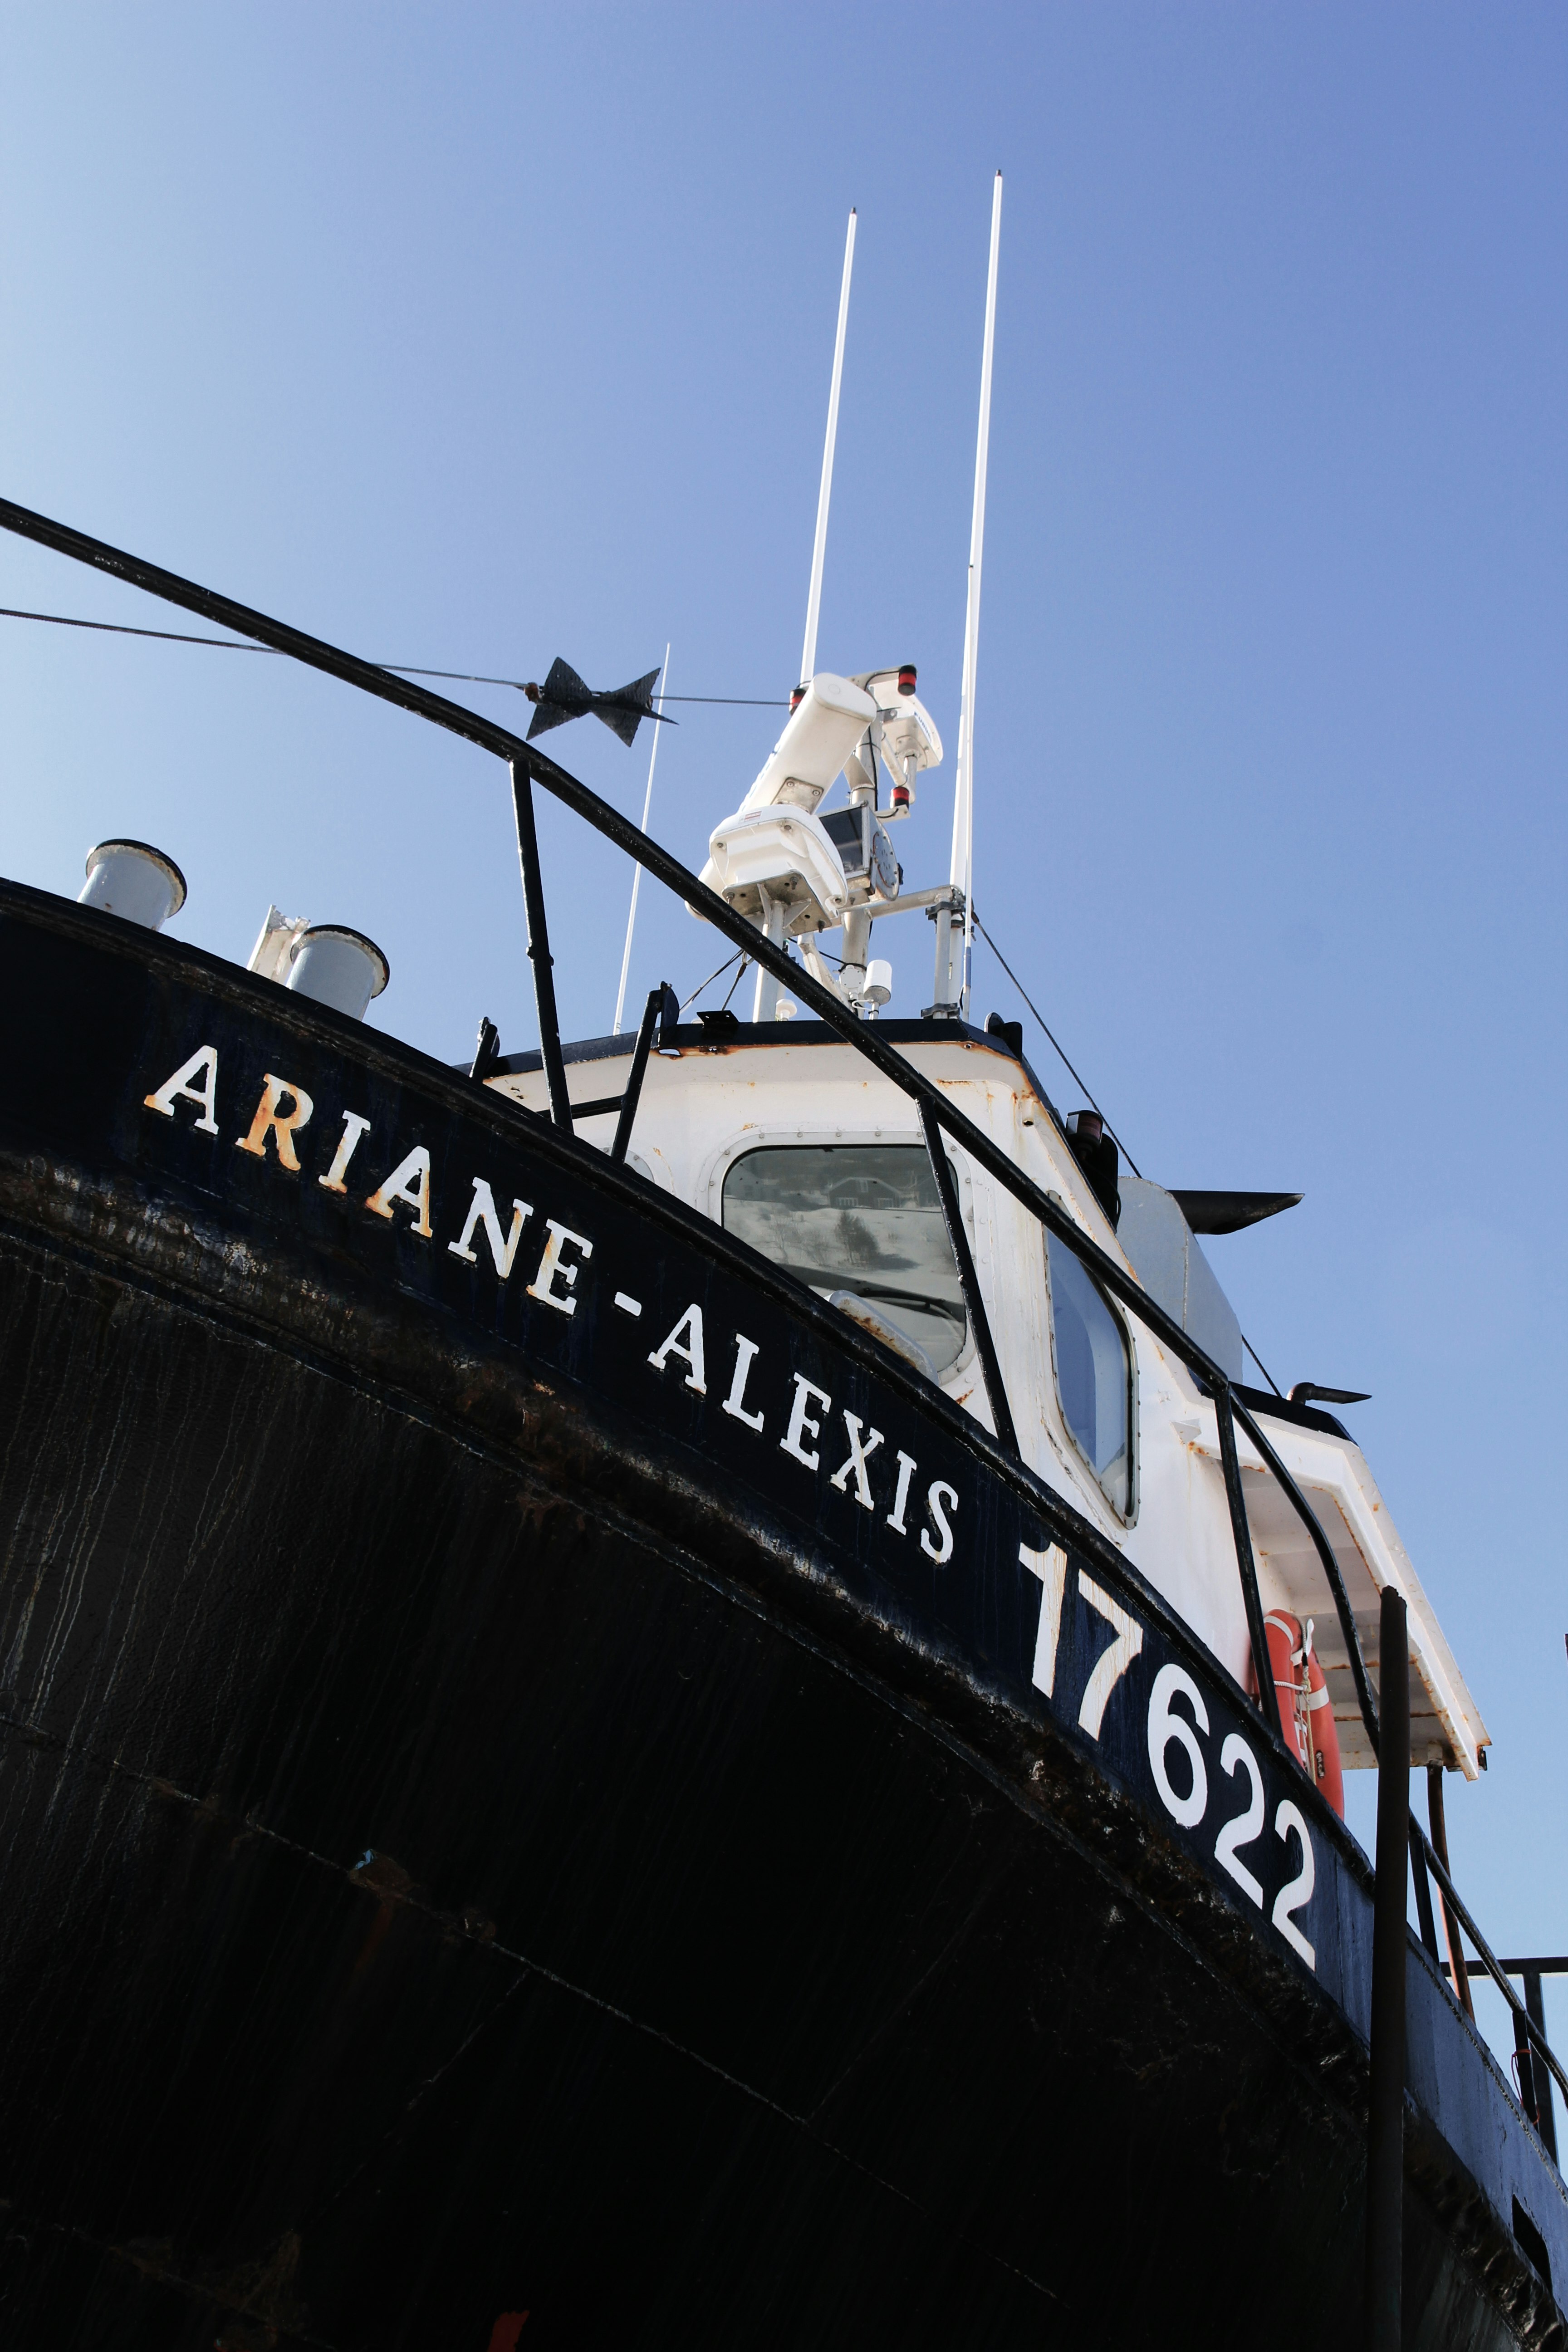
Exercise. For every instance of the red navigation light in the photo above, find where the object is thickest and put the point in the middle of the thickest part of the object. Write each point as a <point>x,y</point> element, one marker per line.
<point>907,679</point>
<point>901,799</point>
<point>797,696</point>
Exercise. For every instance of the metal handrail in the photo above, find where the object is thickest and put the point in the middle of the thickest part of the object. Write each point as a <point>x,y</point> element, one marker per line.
<point>938,1113</point>
<point>1491,1964</point>
<point>1330,1566</point>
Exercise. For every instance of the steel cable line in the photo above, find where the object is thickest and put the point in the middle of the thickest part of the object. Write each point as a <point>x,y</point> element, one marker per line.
<point>1109,1128</point>
<point>1044,1025</point>
<point>402,669</point>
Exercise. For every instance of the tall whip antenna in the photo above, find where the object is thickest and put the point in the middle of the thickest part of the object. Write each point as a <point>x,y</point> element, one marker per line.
<point>819,547</point>
<point>636,870</point>
<point>962,868</point>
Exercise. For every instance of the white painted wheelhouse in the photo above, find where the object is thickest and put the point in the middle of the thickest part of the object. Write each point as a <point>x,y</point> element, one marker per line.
<point>787,1131</point>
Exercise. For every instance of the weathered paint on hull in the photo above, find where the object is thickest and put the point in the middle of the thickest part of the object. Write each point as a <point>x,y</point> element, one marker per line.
<point>463,1857</point>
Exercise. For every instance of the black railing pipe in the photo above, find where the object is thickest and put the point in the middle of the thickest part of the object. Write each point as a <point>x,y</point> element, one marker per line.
<point>1458,1973</point>
<point>969,1282</point>
<point>1545,2121</point>
<point>1241,1534</point>
<point>1423,1886</point>
<point>633,1094</point>
<point>1488,1964</point>
<point>1539,1965</point>
<point>538,953</point>
<point>1385,2103</point>
<point>1530,2074</point>
<point>1330,1566</point>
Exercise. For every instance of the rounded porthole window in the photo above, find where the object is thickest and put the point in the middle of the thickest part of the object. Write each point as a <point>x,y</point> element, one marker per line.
<point>1094,1373</point>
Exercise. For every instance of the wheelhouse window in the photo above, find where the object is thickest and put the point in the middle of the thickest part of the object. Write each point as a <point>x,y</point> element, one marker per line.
<point>1094,1373</point>
<point>861,1217</point>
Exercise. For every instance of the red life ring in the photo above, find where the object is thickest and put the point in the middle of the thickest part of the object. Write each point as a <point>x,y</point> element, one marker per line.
<point>1306,1712</point>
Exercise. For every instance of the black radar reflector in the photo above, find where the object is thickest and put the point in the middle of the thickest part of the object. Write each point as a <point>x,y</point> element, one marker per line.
<point>564,696</point>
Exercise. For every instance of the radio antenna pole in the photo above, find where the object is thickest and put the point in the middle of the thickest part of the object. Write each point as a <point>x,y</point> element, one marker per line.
<point>636,870</point>
<point>819,546</point>
<point>962,868</point>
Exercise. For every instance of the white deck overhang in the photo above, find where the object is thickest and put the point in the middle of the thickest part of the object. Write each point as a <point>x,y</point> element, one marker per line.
<point>1445,1726</point>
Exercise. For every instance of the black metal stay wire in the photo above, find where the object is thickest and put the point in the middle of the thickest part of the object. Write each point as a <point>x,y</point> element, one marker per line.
<point>1045,1027</point>
<point>717,974</point>
<point>1094,1105</point>
<point>402,669</point>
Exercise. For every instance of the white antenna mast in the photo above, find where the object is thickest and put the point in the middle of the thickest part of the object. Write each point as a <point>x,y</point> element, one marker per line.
<point>819,547</point>
<point>636,870</point>
<point>962,868</point>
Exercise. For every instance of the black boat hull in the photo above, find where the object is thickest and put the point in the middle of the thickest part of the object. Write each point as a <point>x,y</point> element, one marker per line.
<point>475,1846</point>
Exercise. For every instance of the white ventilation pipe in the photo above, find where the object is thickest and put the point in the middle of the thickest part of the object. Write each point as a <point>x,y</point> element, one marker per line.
<point>335,966</point>
<point>138,883</point>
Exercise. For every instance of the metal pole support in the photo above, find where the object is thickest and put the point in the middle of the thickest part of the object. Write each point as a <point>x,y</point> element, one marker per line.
<point>1545,2121</point>
<point>1385,2105</point>
<point>1459,1975</point>
<point>633,1095</point>
<point>538,948</point>
<point>968,1280</point>
<point>1246,1565</point>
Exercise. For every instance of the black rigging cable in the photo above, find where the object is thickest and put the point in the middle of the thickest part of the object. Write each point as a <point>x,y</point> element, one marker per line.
<point>1041,1019</point>
<point>734,985</point>
<point>739,957</point>
<point>401,669</point>
<point>1261,1365</point>
<point>1109,1128</point>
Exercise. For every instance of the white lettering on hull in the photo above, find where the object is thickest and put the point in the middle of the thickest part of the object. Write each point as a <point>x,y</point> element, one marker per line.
<point>348,1143</point>
<point>554,1268</point>
<point>285,1110</point>
<point>908,1465</point>
<point>801,1422</point>
<point>691,1346</point>
<point>410,1183</point>
<point>482,1212</point>
<point>941,1499</point>
<point>272,1119</point>
<point>1052,1567</point>
<point>735,1402</point>
<point>859,1456</point>
<point>205,1097</point>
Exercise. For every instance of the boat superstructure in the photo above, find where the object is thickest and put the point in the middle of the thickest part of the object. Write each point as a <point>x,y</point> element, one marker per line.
<point>727,1105</point>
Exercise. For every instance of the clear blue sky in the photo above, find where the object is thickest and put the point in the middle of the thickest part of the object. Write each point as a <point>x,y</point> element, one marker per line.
<point>475,335</point>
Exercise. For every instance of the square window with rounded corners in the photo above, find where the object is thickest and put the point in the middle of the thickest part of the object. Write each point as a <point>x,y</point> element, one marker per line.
<point>1093,1362</point>
<point>858,1217</point>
